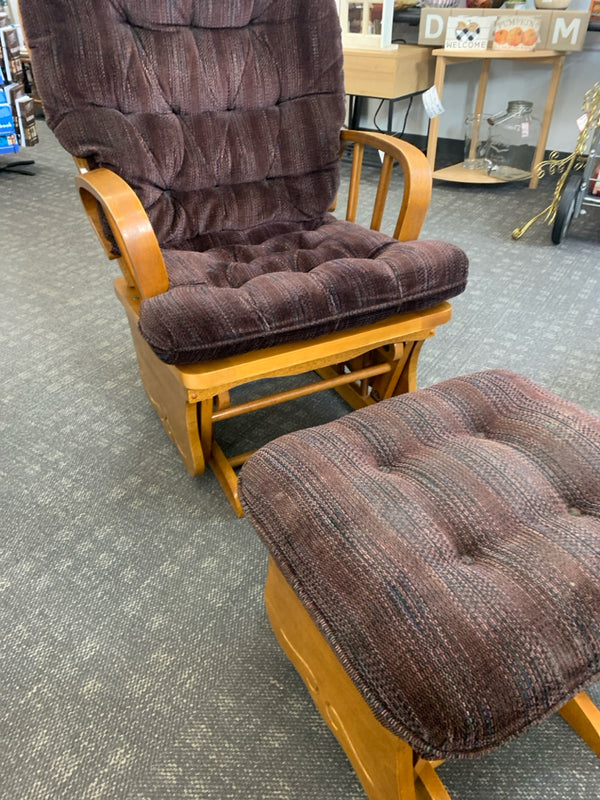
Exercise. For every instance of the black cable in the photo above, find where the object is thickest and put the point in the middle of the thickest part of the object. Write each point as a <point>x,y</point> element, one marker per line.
<point>410,102</point>
<point>378,109</point>
<point>398,133</point>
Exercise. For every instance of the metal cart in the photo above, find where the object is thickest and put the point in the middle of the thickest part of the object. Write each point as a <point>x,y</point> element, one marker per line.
<point>577,171</point>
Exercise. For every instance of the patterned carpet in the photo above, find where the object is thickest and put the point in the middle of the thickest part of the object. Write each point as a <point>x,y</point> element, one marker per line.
<point>136,661</point>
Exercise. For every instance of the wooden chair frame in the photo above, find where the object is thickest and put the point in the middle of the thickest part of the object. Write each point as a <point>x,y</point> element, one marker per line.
<point>386,766</point>
<point>363,364</point>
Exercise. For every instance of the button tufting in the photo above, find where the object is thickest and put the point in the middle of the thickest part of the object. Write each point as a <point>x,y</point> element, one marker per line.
<point>575,512</point>
<point>385,469</point>
<point>466,559</point>
<point>480,435</point>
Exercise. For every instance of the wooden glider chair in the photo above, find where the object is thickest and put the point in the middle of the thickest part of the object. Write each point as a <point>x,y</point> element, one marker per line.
<point>434,572</point>
<point>207,137</point>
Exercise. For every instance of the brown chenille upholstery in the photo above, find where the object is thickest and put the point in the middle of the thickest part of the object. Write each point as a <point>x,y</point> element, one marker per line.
<point>207,136</point>
<point>447,545</point>
<point>225,119</point>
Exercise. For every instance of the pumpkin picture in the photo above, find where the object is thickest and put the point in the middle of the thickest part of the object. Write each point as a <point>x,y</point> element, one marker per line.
<point>515,36</point>
<point>516,33</point>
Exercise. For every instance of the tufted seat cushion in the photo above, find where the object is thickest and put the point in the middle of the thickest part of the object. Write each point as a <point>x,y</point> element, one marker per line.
<point>447,545</point>
<point>225,118</point>
<point>294,285</point>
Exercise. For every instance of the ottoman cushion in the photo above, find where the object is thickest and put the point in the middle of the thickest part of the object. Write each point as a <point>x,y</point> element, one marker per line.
<point>447,545</point>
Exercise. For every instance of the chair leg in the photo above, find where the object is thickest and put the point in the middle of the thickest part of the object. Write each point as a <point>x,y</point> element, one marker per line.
<point>429,786</point>
<point>226,475</point>
<point>383,359</point>
<point>584,717</point>
<point>169,397</point>
<point>407,380</point>
<point>403,359</point>
<point>383,762</point>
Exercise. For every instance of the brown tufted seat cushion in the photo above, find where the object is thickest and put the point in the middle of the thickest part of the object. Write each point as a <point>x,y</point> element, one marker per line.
<point>295,285</point>
<point>225,118</point>
<point>447,545</point>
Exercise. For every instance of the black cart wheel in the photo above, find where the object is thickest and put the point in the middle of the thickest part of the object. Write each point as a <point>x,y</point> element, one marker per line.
<point>566,207</point>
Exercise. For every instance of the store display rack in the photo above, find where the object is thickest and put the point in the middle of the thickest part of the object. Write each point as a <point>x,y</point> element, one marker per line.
<point>17,113</point>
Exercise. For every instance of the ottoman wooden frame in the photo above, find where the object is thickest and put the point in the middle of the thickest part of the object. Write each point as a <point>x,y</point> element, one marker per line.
<point>386,766</point>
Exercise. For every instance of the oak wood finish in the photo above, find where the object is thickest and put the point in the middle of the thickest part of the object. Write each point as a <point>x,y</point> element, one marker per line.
<point>190,399</point>
<point>584,717</point>
<point>382,761</point>
<point>417,181</point>
<point>141,257</point>
<point>388,73</point>
<point>363,364</point>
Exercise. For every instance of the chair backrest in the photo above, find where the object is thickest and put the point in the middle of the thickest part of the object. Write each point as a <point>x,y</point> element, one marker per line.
<point>221,114</point>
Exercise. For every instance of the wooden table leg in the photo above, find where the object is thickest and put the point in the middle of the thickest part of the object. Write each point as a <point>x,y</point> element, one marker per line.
<point>434,123</point>
<point>483,84</point>
<point>479,105</point>
<point>547,119</point>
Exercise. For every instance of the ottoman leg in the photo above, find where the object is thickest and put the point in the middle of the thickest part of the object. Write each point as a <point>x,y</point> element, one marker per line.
<point>584,717</point>
<point>384,763</point>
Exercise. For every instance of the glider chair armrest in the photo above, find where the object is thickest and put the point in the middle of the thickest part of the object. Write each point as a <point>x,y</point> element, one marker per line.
<point>140,256</point>
<point>417,181</point>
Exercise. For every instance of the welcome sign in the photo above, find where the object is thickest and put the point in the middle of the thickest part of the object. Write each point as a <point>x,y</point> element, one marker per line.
<point>468,33</point>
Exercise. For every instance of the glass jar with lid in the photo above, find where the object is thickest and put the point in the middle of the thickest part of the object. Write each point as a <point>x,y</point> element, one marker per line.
<point>513,137</point>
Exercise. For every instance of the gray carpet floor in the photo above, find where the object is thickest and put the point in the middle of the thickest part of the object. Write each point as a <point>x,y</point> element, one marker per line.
<point>136,660</point>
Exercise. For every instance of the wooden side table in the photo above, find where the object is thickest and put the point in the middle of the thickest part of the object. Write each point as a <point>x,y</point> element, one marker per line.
<point>386,74</point>
<point>448,57</point>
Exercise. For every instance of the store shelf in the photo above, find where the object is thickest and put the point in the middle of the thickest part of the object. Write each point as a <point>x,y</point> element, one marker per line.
<point>457,173</point>
<point>446,58</point>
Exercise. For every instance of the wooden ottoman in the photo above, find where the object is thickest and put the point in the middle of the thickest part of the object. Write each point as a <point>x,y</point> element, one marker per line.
<point>435,571</point>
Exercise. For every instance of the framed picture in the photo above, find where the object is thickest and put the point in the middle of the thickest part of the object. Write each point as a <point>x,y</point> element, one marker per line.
<point>517,33</point>
<point>366,23</point>
<point>466,32</point>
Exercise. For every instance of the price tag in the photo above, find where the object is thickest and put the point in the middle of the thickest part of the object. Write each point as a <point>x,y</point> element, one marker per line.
<point>432,103</point>
<point>581,122</point>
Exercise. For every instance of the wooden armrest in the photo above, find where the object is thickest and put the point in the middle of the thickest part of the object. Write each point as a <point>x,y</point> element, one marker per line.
<point>141,258</point>
<point>417,181</point>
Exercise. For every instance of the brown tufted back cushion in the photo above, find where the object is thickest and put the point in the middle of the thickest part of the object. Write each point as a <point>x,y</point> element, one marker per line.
<point>224,117</point>
<point>216,121</point>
